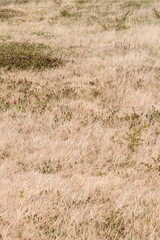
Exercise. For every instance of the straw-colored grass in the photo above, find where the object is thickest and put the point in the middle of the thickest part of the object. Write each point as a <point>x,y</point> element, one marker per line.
<point>80,143</point>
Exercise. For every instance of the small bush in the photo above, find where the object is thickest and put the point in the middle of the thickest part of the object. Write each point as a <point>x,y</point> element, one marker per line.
<point>65,13</point>
<point>25,55</point>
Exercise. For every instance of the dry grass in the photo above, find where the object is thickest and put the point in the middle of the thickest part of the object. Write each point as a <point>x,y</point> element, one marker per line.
<point>80,144</point>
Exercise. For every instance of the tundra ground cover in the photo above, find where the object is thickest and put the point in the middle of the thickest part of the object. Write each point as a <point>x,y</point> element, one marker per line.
<point>79,120</point>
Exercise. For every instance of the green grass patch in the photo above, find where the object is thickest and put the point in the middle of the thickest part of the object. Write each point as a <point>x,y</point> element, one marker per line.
<point>7,14</point>
<point>67,13</point>
<point>9,2</point>
<point>131,4</point>
<point>4,38</point>
<point>143,20</point>
<point>16,55</point>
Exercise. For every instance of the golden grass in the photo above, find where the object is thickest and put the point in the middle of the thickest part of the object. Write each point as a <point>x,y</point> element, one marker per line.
<point>80,144</point>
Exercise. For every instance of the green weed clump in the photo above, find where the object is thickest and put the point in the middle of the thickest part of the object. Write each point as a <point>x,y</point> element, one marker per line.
<point>134,138</point>
<point>156,13</point>
<point>47,168</point>
<point>7,14</point>
<point>14,55</point>
<point>65,13</point>
<point>120,22</point>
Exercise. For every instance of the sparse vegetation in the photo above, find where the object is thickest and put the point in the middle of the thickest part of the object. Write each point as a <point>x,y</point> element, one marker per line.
<point>79,120</point>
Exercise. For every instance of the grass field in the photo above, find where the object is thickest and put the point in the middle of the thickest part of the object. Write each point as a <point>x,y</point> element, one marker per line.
<point>79,120</point>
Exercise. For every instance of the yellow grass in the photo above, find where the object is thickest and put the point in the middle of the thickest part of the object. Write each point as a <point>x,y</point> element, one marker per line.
<point>85,164</point>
